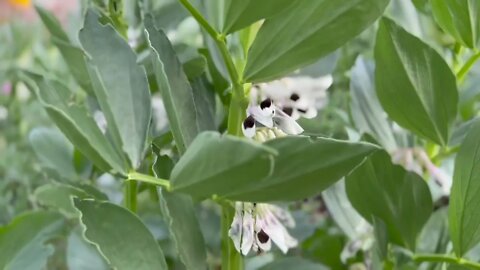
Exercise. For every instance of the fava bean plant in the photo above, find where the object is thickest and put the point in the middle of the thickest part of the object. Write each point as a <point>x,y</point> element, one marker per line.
<point>240,134</point>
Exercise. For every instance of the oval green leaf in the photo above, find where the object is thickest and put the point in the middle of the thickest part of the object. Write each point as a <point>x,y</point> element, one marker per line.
<point>186,115</point>
<point>120,85</point>
<point>305,32</point>
<point>218,164</point>
<point>240,14</point>
<point>401,199</point>
<point>414,84</point>
<point>54,150</point>
<point>179,213</point>
<point>59,196</point>
<point>463,215</point>
<point>73,56</point>
<point>304,167</point>
<point>459,18</point>
<point>108,226</point>
<point>23,242</point>
<point>75,123</point>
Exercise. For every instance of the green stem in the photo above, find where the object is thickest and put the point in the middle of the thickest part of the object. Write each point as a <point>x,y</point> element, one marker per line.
<point>238,102</point>
<point>467,66</point>
<point>231,259</point>
<point>419,258</point>
<point>130,195</point>
<point>135,176</point>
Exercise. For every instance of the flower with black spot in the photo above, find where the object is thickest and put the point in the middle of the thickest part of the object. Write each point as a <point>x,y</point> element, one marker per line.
<point>266,118</point>
<point>256,225</point>
<point>296,96</point>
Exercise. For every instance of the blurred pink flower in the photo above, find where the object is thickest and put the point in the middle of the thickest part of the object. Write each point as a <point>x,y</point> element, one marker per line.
<point>6,88</point>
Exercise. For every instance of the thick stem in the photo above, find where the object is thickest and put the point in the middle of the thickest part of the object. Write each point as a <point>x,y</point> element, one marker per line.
<point>130,195</point>
<point>419,258</point>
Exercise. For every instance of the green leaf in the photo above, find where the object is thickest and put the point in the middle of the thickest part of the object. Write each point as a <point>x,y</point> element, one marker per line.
<point>304,167</point>
<point>120,85</point>
<point>175,89</point>
<point>82,255</point>
<point>305,32</point>
<point>381,238</point>
<point>59,196</point>
<point>52,24</point>
<point>240,14</point>
<point>401,199</point>
<point>73,56</point>
<point>204,98</point>
<point>23,242</point>
<point>216,164</point>
<point>75,123</point>
<point>463,213</point>
<point>179,213</point>
<point>325,247</point>
<point>195,67</point>
<point>367,112</point>
<point>459,18</point>
<point>434,237</point>
<point>54,150</point>
<point>108,226</point>
<point>293,263</point>
<point>414,84</point>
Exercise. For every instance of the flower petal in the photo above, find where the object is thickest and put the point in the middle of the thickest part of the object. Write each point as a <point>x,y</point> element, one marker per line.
<point>248,127</point>
<point>247,233</point>
<point>287,123</point>
<point>283,216</point>
<point>277,232</point>
<point>263,241</point>
<point>235,231</point>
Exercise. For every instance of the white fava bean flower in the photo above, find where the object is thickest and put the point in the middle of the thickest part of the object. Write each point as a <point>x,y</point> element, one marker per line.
<point>256,225</point>
<point>276,122</point>
<point>297,96</point>
<point>417,160</point>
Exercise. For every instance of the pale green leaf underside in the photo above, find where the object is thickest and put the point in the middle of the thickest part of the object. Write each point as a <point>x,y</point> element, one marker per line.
<point>23,241</point>
<point>108,226</point>
<point>179,213</point>
<point>120,85</point>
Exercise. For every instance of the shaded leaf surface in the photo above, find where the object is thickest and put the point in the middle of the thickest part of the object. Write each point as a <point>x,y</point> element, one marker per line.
<point>463,215</point>
<point>401,199</point>
<point>108,225</point>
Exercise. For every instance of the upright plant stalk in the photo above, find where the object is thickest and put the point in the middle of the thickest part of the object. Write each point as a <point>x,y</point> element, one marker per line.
<point>231,260</point>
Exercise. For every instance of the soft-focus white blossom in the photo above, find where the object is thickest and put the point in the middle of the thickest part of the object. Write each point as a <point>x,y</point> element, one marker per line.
<point>256,225</point>
<point>296,96</point>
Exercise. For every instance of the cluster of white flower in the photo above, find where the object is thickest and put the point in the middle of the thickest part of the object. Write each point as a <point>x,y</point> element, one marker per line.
<point>277,105</point>
<point>272,113</point>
